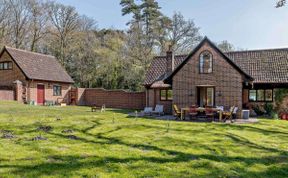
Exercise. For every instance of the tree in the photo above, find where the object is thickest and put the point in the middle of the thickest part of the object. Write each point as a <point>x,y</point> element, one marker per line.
<point>19,20</point>
<point>280,3</point>
<point>64,19</point>
<point>225,46</point>
<point>181,34</point>
<point>38,27</point>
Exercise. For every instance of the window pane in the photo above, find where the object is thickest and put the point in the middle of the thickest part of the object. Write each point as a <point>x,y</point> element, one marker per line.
<point>169,95</point>
<point>5,65</point>
<point>260,95</point>
<point>1,66</point>
<point>268,95</point>
<point>57,90</point>
<point>252,95</point>
<point>210,96</point>
<point>9,65</point>
<point>205,63</point>
<point>163,94</point>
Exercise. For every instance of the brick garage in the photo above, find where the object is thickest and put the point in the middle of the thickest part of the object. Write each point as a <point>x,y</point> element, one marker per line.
<point>35,77</point>
<point>111,98</point>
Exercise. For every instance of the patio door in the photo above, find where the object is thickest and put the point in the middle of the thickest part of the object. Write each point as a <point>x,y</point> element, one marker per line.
<point>206,96</point>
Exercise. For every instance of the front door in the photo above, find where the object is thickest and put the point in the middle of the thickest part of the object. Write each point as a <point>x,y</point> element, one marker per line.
<point>40,94</point>
<point>205,96</point>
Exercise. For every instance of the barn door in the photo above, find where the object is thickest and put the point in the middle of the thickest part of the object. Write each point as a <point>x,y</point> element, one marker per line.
<point>40,94</point>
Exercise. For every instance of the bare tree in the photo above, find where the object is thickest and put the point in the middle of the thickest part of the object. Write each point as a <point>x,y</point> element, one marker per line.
<point>64,19</point>
<point>20,16</point>
<point>39,18</point>
<point>225,46</point>
<point>3,21</point>
<point>280,3</point>
<point>182,34</point>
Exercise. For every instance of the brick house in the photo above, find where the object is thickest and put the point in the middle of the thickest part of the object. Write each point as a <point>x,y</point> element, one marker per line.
<point>34,77</point>
<point>209,77</point>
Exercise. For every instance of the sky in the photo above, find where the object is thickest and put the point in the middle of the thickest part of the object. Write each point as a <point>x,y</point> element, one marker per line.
<point>247,24</point>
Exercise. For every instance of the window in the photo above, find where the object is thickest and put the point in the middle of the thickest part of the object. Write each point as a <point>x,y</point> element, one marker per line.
<point>6,65</point>
<point>57,90</point>
<point>261,95</point>
<point>269,95</point>
<point>166,95</point>
<point>205,63</point>
<point>252,95</point>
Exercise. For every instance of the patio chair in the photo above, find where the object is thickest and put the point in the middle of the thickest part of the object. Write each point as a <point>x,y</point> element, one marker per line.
<point>234,114</point>
<point>229,115</point>
<point>193,112</point>
<point>209,113</point>
<point>177,112</point>
<point>147,111</point>
<point>159,109</point>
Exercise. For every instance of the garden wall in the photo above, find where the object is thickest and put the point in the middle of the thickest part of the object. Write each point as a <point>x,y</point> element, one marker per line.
<point>111,98</point>
<point>6,95</point>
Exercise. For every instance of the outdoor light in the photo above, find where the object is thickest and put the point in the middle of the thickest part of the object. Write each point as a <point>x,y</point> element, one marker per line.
<point>191,94</point>
<point>219,94</point>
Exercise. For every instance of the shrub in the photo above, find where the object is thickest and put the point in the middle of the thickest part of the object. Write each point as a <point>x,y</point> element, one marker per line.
<point>259,110</point>
<point>268,107</point>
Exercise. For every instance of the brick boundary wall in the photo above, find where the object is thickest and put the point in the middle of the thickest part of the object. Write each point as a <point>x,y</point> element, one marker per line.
<point>111,98</point>
<point>7,95</point>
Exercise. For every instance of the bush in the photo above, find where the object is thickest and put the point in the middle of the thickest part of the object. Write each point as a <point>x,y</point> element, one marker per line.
<point>259,110</point>
<point>268,107</point>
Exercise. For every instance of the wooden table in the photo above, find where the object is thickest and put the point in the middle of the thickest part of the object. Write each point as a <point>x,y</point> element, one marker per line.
<point>184,110</point>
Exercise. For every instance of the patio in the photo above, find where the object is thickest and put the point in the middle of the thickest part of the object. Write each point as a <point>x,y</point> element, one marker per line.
<point>173,118</point>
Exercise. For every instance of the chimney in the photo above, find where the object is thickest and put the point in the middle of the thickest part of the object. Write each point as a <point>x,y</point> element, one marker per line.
<point>169,60</point>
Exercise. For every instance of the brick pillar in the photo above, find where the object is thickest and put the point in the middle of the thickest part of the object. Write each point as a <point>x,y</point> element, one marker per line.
<point>18,91</point>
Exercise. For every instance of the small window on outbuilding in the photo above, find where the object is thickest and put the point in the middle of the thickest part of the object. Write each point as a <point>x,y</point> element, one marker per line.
<point>57,90</point>
<point>206,63</point>
<point>6,65</point>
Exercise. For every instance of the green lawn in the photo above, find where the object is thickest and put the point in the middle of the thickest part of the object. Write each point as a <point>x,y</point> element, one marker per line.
<point>129,147</point>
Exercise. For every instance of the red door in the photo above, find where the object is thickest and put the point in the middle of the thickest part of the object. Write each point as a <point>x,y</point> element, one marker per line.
<point>40,94</point>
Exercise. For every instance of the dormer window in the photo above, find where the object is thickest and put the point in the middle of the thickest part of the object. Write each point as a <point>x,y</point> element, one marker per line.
<point>206,63</point>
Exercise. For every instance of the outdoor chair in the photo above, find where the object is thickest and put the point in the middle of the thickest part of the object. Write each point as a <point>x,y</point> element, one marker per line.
<point>159,109</point>
<point>103,108</point>
<point>94,108</point>
<point>147,111</point>
<point>193,113</point>
<point>234,114</point>
<point>177,112</point>
<point>209,113</point>
<point>229,115</point>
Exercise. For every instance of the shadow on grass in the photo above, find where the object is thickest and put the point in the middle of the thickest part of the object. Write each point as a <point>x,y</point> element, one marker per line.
<point>66,165</point>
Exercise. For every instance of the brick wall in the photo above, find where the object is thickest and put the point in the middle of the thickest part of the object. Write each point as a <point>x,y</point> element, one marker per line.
<point>6,95</point>
<point>112,98</point>
<point>226,80</point>
<point>153,97</point>
<point>32,91</point>
<point>9,76</point>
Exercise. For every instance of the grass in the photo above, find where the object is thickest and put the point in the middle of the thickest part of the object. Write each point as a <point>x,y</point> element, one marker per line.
<point>111,144</point>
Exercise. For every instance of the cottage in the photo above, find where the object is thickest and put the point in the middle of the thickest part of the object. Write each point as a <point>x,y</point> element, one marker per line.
<point>209,77</point>
<point>35,77</point>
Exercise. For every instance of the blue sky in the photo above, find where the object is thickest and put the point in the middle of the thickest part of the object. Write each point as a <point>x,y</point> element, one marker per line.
<point>248,24</point>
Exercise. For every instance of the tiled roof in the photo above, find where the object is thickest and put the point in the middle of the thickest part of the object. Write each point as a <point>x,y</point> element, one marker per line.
<point>158,68</point>
<point>265,66</point>
<point>39,66</point>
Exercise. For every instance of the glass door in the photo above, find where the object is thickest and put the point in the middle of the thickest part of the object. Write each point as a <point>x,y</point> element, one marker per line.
<point>205,96</point>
